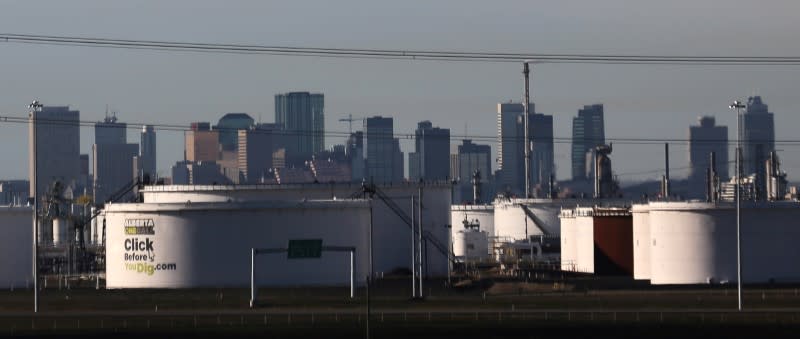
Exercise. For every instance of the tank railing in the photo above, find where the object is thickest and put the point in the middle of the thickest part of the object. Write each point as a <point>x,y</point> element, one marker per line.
<point>536,221</point>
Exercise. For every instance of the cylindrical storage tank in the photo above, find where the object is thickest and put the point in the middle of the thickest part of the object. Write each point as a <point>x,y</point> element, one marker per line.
<point>483,215</point>
<point>511,219</point>
<point>16,247</point>
<point>613,241</point>
<point>584,239</point>
<point>569,244</point>
<point>59,231</point>
<point>641,242</point>
<point>471,245</point>
<point>695,243</point>
<point>209,244</point>
<point>42,233</point>
<point>93,228</point>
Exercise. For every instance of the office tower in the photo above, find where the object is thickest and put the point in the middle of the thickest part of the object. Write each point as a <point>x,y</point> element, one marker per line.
<point>542,154</point>
<point>198,173</point>
<point>704,139</point>
<point>588,132</point>
<point>301,115</point>
<point>228,128</point>
<point>202,144</point>
<point>384,158</point>
<point>14,192</point>
<point>511,149</point>
<point>355,152</point>
<point>56,131</point>
<point>471,158</point>
<point>113,158</point>
<point>758,140</point>
<point>147,152</point>
<point>256,146</point>
<point>430,161</point>
<point>113,168</point>
<point>510,161</point>
<point>109,131</point>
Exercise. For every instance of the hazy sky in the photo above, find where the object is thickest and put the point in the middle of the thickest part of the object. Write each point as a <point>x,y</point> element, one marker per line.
<point>180,87</point>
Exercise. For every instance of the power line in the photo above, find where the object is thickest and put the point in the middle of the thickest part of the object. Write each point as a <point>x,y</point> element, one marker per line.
<point>406,135</point>
<point>395,54</point>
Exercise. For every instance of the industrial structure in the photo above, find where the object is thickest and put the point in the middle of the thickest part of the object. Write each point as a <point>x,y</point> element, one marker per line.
<point>16,247</point>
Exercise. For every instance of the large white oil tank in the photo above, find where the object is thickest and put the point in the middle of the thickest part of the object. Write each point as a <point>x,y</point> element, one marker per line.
<point>584,239</point>
<point>471,245</point>
<point>59,231</point>
<point>695,242</point>
<point>394,254</point>
<point>513,223</point>
<point>208,244</point>
<point>16,246</point>
<point>641,241</point>
<point>569,241</point>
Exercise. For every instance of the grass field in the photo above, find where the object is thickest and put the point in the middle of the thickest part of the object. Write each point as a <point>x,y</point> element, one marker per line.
<point>491,308</point>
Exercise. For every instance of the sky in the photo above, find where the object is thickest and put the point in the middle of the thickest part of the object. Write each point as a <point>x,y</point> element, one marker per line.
<point>650,101</point>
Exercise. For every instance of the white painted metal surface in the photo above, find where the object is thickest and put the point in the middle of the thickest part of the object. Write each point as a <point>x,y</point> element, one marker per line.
<point>390,254</point>
<point>471,246</point>
<point>641,242</point>
<point>16,247</point>
<point>208,244</point>
<point>569,241</point>
<point>584,239</point>
<point>59,231</point>
<point>483,214</point>
<point>695,243</point>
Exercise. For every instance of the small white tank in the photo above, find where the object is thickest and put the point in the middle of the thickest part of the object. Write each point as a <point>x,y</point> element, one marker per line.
<point>59,231</point>
<point>471,245</point>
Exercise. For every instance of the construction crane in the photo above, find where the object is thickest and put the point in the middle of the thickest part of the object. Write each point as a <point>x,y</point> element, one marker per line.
<point>350,120</point>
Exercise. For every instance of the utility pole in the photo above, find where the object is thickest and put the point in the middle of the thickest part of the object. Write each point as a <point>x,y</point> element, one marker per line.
<point>737,186</point>
<point>527,146</point>
<point>34,107</point>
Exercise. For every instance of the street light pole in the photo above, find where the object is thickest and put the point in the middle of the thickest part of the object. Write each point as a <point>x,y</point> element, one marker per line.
<point>34,107</point>
<point>737,105</point>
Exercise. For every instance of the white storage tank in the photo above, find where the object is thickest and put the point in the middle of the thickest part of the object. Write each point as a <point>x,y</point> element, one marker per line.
<point>393,254</point>
<point>511,219</point>
<point>208,244</point>
<point>471,245</point>
<point>695,242</point>
<point>60,228</point>
<point>482,215</point>
<point>569,241</point>
<point>584,239</point>
<point>641,241</point>
<point>16,247</point>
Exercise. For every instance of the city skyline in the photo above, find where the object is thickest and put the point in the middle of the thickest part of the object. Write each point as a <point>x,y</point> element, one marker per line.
<point>177,88</point>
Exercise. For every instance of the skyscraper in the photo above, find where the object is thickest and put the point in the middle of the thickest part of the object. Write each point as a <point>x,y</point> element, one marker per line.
<point>57,141</point>
<point>255,149</point>
<point>704,139</point>
<point>202,144</point>
<point>229,126</point>
<point>384,158</point>
<point>511,149</point>
<point>473,157</point>
<point>758,140</point>
<point>147,152</point>
<point>588,131</point>
<point>113,158</point>
<point>431,156</point>
<point>301,115</point>
<point>355,152</point>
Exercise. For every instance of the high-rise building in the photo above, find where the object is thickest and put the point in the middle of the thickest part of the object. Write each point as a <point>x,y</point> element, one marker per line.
<point>113,168</point>
<point>56,131</point>
<point>758,140</point>
<point>109,131</point>
<point>229,126</point>
<point>113,158</point>
<point>354,150</point>
<point>301,115</point>
<point>432,147</point>
<point>384,158</point>
<point>511,149</point>
<point>256,146</point>
<point>202,144</point>
<point>588,132</point>
<point>542,154</point>
<point>198,173</point>
<point>147,152</point>
<point>510,175</point>
<point>704,139</point>
<point>471,158</point>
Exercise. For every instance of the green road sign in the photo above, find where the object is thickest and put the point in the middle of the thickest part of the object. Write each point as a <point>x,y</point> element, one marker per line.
<point>305,248</point>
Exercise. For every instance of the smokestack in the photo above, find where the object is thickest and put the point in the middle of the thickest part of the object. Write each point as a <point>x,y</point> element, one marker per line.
<point>711,178</point>
<point>476,187</point>
<point>527,145</point>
